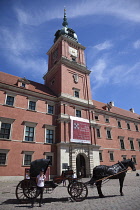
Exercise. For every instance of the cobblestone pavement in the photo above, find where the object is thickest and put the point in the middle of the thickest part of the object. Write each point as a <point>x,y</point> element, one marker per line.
<point>59,199</point>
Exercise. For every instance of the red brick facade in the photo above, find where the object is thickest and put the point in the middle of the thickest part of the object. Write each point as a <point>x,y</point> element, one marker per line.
<point>35,119</point>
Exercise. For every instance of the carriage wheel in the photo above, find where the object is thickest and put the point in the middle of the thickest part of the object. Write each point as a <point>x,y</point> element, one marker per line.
<point>30,189</point>
<point>78,191</point>
<point>20,192</point>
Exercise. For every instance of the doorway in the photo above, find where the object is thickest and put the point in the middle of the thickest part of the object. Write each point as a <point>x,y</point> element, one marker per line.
<point>80,166</point>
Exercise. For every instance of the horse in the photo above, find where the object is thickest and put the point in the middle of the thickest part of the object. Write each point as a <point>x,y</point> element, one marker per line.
<point>116,171</point>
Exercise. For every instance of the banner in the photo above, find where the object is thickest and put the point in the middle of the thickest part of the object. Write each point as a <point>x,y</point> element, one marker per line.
<point>80,130</point>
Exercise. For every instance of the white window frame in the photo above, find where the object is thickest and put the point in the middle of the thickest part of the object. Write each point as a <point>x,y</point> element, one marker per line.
<point>5,151</point>
<point>138,140</point>
<point>108,129</point>
<point>27,153</point>
<point>107,118</point>
<point>134,156</point>
<point>101,152</point>
<point>121,138</point>
<point>137,127</point>
<point>29,124</point>
<point>127,125</point>
<point>9,121</point>
<point>49,127</point>
<point>33,100</point>
<point>78,109</point>
<point>12,95</point>
<point>76,90</point>
<point>124,157</point>
<point>49,154</point>
<point>111,152</point>
<point>98,127</point>
<point>51,104</point>
<point>131,139</point>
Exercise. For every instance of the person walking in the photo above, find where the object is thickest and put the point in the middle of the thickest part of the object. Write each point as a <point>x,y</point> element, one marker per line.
<point>40,179</point>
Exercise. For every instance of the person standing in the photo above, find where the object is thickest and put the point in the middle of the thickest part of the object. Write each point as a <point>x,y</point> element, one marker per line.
<point>40,179</point>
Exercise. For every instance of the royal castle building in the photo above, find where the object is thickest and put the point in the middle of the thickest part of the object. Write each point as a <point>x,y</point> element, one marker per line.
<point>59,120</point>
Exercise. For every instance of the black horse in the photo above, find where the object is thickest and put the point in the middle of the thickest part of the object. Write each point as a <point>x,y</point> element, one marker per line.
<point>116,171</point>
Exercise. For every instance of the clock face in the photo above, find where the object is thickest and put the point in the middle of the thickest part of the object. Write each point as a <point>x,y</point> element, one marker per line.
<point>73,51</point>
<point>55,54</point>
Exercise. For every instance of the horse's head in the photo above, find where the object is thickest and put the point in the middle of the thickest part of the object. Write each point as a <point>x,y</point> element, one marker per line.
<point>131,164</point>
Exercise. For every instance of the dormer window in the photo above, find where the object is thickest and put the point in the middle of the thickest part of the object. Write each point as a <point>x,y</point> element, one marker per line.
<point>23,83</point>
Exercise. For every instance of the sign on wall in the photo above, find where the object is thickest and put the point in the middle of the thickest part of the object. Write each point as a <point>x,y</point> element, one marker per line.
<point>80,130</point>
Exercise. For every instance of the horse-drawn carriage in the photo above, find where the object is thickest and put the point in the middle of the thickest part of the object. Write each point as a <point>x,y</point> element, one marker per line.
<point>27,188</point>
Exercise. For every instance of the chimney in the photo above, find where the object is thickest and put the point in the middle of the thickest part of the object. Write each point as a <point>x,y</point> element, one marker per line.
<point>111,103</point>
<point>131,110</point>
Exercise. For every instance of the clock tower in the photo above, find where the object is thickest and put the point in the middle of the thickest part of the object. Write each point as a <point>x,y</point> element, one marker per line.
<point>68,78</point>
<point>67,70</point>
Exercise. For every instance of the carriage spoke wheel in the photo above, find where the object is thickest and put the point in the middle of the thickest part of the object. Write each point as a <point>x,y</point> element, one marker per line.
<point>20,192</point>
<point>30,189</point>
<point>78,191</point>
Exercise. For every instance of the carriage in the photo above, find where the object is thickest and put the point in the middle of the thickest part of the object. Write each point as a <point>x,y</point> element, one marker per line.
<point>27,188</point>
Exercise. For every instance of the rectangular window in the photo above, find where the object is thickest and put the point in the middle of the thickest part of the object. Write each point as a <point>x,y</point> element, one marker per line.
<point>2,158</point>
<point>50,158</point>
<point>107,119</point>
<point>111,155</point>
<point>29,134</point>
<point>119,124</point>
<point>108,134</point>
<point>98,132</point>
<point>100,156</point>
<point>10,100</point>
<point>23,84</point>
<point>134,159</point>
<point>131,145</point>
<point>124,157</point>
<point>27,159</point>
<point>122,144</point>
<point>5,131</point>
<point>78,113</point>
<point>49,136</point>
<point>139,144</point>
<point>96,117</point>
<point>76,94</point>
<point>32,105</point>
<point>50,109</point>
<point>136,126</point>
<point>128,126</point>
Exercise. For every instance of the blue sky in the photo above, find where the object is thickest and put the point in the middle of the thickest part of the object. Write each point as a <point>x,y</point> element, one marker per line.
<point>109,29</point>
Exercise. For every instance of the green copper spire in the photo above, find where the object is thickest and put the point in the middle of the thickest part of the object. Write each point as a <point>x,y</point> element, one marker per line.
<point>65,23</point>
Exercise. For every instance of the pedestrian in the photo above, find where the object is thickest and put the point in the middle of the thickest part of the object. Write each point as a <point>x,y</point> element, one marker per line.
<point>40,179</point>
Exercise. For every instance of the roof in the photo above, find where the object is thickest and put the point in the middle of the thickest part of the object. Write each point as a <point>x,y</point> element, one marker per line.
<point>116,110</point>
<point>32,86</point>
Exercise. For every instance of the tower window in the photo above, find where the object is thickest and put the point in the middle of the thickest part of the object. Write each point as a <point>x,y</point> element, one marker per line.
<point>76,94</point>
<point>78,113</point>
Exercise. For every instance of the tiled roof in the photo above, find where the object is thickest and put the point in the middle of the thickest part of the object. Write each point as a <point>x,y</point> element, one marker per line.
<point>33,86</point>
<point>116,110</point>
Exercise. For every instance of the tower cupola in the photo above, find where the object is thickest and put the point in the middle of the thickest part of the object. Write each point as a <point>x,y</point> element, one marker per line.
<point>68,32</point>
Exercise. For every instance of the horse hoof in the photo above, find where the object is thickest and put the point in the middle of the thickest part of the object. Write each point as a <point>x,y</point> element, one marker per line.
<point>122,194</point>
<point>101,196</point>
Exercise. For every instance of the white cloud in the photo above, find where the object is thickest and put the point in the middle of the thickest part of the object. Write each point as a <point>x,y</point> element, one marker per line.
<point>104,46</point>
<point>16,42</point>
<point>103,74</point>
<point>119,8</point>
<point>136,44</point>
